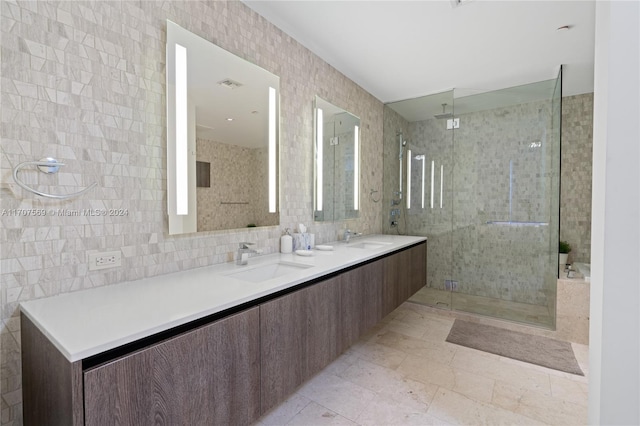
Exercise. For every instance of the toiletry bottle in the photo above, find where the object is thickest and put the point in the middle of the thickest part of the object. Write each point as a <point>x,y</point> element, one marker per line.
<point>286,242</point>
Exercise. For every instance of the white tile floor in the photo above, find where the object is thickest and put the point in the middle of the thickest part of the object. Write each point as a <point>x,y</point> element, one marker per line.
<point>404,373</point>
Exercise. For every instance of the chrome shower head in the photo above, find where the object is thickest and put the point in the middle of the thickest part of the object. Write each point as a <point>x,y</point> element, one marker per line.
<point>444,114</point>
<point>402,145</point>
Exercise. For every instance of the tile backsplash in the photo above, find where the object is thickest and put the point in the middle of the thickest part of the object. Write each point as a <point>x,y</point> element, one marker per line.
<point>84,82</point>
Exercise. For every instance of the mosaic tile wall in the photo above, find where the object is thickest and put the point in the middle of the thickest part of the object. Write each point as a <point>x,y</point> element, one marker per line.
<point>239,191</point>
<point>85,82</point>
<point>260,173</point>
<point>394,124</point>
<point>344,177</point>
<point>575,190</point>
<point>328,175</point>
<point>503,163</point>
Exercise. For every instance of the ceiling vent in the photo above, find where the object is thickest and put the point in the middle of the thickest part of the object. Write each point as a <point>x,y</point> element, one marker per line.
<point>230,84</point>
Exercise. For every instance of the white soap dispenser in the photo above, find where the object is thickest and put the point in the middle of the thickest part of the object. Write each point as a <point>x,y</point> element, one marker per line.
<point>286,242</point>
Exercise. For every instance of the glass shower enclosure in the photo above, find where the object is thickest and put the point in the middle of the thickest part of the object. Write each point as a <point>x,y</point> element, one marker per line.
<point>477,173</point>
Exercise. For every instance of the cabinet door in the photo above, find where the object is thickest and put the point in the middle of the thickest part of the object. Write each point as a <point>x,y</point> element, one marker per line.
<point>360,302</point>
<point>418,268</point>
<point>281,348</point>
<point>322,321</point>
<point>120,392</point>
<point>299,337</point>
<point>206,376</point>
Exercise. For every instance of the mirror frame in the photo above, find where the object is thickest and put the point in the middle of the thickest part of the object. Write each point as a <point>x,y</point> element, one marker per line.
<point>181,129</point>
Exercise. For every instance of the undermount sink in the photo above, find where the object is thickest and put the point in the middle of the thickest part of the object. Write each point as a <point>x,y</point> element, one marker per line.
<point>369,245</point>
<point>268,271</point>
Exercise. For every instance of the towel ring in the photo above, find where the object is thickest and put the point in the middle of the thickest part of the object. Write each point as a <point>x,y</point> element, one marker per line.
<point>46,165</point>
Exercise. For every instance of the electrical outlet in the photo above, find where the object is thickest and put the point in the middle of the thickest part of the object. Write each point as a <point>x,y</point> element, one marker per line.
<point>107,259</point>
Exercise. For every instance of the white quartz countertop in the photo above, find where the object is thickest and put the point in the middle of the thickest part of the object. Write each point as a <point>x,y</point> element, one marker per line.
<point>85,323</point>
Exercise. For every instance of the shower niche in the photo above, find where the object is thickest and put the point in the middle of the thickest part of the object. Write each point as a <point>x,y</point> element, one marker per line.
<point>477,173</point>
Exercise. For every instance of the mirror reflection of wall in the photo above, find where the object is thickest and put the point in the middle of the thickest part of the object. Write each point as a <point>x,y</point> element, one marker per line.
<point>238,195</point>
<point>337,163</point>
<point>231,124</point>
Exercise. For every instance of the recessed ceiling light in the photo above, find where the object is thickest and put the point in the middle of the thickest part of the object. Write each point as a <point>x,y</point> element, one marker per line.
<point>456,3</point>
<point>229,119</point>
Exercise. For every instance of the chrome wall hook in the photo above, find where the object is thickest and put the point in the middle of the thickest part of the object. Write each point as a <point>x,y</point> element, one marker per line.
<point>46,165</point>
<point>373,191</point>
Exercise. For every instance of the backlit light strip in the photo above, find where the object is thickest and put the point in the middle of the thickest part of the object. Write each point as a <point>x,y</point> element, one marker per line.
<point>441,182</point>
<point>423,170</point>
<point>432,181</point>
<point>408,178</point>
<point>356,168</point>
<point>319,157</point>
<point>182,145</point>
<point>272,150</point>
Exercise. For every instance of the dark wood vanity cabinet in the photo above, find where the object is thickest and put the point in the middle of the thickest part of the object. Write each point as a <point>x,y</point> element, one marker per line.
<point>302,332</point>
<point>404,274</point>
<point>298,335</point>
<point>207,376</point>
<point>396,280</point>
<point>360,302</point>
<point>227,371</point>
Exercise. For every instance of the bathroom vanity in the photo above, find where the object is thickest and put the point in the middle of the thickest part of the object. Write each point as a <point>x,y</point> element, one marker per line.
<point>215,345</point>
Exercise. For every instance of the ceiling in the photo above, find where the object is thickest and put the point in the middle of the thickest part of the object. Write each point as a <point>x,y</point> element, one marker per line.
<point>230,95</point>
<point>398,50</point>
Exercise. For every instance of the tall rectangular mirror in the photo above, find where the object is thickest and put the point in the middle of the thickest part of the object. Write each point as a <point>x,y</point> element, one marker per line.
<point>222,138</point>
<point>337,163</point>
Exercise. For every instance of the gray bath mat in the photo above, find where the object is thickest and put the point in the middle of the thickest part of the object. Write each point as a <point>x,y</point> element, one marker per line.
<point>538,350</point>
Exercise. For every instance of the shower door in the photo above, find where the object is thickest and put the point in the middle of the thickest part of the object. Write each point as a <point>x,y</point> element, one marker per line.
<point>505,216</point>
<point>480,176</point>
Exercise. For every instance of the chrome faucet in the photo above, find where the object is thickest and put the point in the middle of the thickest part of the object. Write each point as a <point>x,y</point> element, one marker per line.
<point>243,253</point>
<point>349,233</point>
